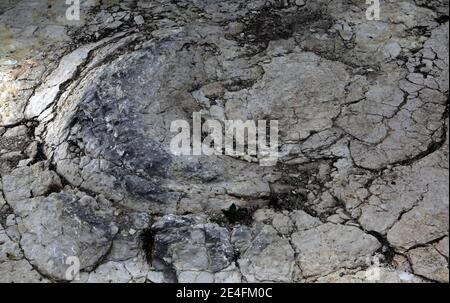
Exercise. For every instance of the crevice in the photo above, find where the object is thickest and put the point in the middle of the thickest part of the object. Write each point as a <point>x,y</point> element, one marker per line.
<point>386,249</point>
<point>235,215</point>
<point>421,245</point>
<point>147,238</point>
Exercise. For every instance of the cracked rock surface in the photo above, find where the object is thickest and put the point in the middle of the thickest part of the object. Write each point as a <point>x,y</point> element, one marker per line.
<point>360,192</point>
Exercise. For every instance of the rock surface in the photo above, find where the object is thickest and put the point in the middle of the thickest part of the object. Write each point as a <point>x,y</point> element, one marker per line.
<point>360,191</point>
<point>327,248</point>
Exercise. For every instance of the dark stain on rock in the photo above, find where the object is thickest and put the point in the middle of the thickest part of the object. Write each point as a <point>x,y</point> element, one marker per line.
<point>273,23</point>
<point>235,214</point>
<point>148,243</point>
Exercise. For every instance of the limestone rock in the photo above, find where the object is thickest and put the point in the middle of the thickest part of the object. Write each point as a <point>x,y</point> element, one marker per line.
<point>87,166</point>
<point>428,263</point>
<point>329,247</point>
<point>182,246</point>
<point>59,226</point>
<point>269,258</point>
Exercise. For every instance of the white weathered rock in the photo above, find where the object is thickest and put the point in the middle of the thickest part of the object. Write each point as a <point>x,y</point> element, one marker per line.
<point>429,219</point>
<point>372,275</point>
<point>442,247</point>
<point>392,50</point>
<point>30,181</point>
<point>269,258</point>
<point>139,20</point>
<point>59,226</point>
<point>228,275</point>
<point>428,263</point>
<point>283,224</point>
<point>13,267</point>
<point>129,271</point>
<point>330,247</point>
<point>195,277</point>
<point>303,221</point>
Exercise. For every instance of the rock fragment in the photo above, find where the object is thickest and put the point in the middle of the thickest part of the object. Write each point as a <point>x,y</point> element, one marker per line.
<point>327,248</point>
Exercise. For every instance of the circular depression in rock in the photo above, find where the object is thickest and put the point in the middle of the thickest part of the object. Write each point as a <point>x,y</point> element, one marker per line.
<point>112,135</point>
